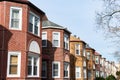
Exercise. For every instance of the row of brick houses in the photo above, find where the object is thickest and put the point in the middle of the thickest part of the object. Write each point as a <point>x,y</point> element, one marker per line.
<point>34,48</point>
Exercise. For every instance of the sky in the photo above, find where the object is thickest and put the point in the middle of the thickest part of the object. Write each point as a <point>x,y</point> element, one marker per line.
<point>79,16</point>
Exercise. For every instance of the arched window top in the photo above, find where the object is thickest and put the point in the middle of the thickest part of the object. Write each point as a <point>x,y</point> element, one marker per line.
<point>34,47</point>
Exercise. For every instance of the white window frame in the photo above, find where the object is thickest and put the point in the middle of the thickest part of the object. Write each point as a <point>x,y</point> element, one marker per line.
<point>34,23</point>
<point>20,17</point>
<point>85,73</point>
<point>56,62</point>
<point>77,49</point>
<point>84,63</point>
<point>66,41</point>
<point>88,56</point>
<point>45,69</point>
<point>78,70</point>
<point>57,39</point>
<point>68,69</point>
<point>16,53</point>
<point>38,66</point>
<point>44,38</point>
<point>96,59</point>
<point>84,52</point>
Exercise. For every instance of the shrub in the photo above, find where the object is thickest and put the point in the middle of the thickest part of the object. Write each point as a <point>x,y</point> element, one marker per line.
<point>111,77</point>
<point>99,78</point>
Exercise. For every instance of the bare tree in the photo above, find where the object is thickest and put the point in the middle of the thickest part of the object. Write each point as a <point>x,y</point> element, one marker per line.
<point>109,21</point>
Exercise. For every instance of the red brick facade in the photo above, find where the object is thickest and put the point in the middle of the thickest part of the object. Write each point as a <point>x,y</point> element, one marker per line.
<point>17,40</point>
<point>51,53</point>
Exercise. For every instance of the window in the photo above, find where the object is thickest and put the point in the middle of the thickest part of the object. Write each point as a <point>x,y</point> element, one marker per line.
<point>56,39</point>
<point>15,18</point>
<point>97,73</point>
<point>89,74</point>
<point>77,49</point>
<point>66,41</point>
<point>44,39</point>
<point>14,62</point>
<point>88,55</point>
<point>56,69</point>
<point>84,52</point>
<point>96,60</point>
<point>84,64</point>
<point>44,69</point>
<point>85,73</point>
<point>66,69</point>
<point>34,22</point>
<point>78,72</point>
<point>33,66</point>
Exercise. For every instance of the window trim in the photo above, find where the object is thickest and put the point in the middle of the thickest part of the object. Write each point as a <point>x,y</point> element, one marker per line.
<point>19,63</point>
<point>20,24</point>
<point>56,62</point>
<point>77,71</point>
<point>66,41</point>
<point>68,69</point>
<point>58,39</point>
<point>35,15</point>
<point>45,39</point>
<point>77,49</point>
<point>38,61</point>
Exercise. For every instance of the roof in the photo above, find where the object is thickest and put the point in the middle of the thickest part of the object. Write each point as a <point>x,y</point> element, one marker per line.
<point>76,39</point>
<point>97,54</point>
<point>88,47</point>
<point>49,24</point>
<point>25,2</point>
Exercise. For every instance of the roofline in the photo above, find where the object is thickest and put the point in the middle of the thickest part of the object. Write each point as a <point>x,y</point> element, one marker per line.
<point>47,27</point>
<point>78,41</point>
<point>25,2</point>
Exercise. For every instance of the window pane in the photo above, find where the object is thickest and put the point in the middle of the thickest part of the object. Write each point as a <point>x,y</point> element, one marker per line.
<point>44,69</point>
<point>55,66</point>
<point>15,14</point>
<point>29,70</point>
<point>36,25</point>
<point>30,29</point>
<point>36,30</point>
<point>35,66</point>
<point>15,18</point>
<point>13,60</point>
<point>35,70</point>
<point>44,43</point>
<point>55,73</point>
<point>13,69</point>
<point>55,36</point>
<point>55,42</point>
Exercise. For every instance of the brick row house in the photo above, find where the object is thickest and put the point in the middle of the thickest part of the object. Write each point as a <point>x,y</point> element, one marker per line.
<point>34,48</point>
<point>55,51</point>
<point>20,40</point>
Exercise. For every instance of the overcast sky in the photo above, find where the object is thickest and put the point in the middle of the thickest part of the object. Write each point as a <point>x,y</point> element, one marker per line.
<point>79,17</point>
